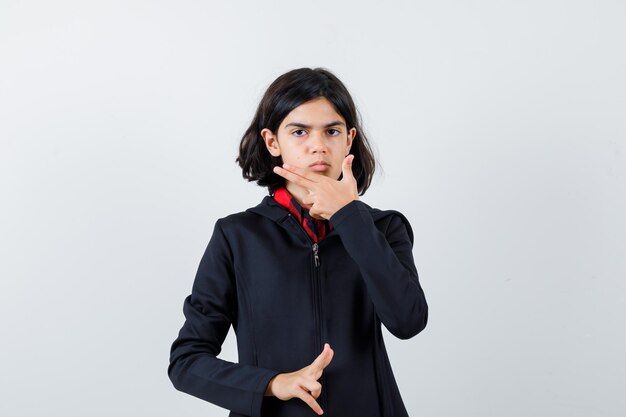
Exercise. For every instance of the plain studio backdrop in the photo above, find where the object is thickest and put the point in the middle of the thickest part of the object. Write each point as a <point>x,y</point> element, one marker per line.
<point>501,133</point>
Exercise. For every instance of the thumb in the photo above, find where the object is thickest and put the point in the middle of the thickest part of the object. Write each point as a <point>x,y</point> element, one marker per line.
<point>346,168</point>
<point>323,359</point>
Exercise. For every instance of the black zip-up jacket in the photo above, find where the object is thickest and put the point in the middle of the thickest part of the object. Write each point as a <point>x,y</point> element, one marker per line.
<point>286,296</point>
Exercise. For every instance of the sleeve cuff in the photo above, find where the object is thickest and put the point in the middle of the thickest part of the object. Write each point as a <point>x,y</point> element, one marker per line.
<point>347,211</point>
<point>257,402</point>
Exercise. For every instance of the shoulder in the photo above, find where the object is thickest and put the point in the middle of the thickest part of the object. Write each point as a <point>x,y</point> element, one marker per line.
<point>237,220</point>
<point>234,218</point>
<point>394,220</point>
<point>263,215</point>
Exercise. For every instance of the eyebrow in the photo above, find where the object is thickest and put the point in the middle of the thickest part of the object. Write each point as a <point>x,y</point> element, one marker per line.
<point>302,125</point>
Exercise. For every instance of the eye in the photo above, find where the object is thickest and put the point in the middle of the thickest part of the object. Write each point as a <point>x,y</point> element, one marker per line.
<point>298,132</point>
<point>333,132</point>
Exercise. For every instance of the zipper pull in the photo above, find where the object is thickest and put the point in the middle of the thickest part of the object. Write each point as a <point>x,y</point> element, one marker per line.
<point>315,253</point>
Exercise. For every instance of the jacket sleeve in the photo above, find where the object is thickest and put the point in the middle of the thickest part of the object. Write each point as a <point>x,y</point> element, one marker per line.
<point>209,311</point>
<point>387,266</point>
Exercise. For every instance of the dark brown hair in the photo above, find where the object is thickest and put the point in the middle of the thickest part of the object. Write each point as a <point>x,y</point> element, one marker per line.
<point>285,94</point>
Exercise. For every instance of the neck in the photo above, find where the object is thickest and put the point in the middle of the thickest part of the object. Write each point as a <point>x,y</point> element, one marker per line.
<point>298,193</point>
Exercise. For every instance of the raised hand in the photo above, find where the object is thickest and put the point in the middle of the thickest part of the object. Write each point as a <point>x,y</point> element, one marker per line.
<point>326,195</point>
<point>303,383</point>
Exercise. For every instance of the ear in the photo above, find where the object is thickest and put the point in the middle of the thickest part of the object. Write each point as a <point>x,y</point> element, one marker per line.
<point>351,136</point>
<point>271,142</point>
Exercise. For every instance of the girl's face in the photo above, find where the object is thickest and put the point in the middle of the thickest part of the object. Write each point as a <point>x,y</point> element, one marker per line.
<point>313,137</point>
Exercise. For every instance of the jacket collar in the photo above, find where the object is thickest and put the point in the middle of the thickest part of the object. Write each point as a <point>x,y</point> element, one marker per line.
<point>268,207</point>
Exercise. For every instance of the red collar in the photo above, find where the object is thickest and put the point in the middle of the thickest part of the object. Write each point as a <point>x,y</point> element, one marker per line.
<point>316,229</point>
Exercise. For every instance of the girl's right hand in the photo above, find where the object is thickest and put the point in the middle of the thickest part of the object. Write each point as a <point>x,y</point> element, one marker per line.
<point>303,383</point>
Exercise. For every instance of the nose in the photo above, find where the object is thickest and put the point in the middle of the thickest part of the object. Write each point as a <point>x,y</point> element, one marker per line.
<point>318,142</point>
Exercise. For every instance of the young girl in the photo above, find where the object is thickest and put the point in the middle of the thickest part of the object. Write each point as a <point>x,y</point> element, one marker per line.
<point>307,276</point>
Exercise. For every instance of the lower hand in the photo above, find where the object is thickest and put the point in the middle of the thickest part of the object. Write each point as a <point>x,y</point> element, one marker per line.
<point>303,383</point>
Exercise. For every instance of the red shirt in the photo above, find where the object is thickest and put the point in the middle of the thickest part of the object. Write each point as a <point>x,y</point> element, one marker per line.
<point>316,229</point>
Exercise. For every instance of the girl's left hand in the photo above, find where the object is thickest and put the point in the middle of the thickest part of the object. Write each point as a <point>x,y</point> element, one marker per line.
<point>326,195</point>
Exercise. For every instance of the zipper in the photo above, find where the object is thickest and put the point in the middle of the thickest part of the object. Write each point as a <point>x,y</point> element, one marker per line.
<point>318,284</point>
<point>316,255</point>
<point>317,301</point>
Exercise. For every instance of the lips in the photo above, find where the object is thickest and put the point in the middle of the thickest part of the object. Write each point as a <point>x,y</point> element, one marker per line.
<point>319,163</point>
<point>319,166</point>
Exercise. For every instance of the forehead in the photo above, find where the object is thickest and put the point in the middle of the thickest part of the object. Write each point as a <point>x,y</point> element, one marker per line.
<point>316,111</point>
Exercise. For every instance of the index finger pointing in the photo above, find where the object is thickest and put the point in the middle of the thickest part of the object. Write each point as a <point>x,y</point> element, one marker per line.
<point>313,176</point>
<point>295,178</point>
<point>308,398</point>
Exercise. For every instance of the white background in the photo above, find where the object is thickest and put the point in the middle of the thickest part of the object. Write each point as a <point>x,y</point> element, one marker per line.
<point>501,132</point>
